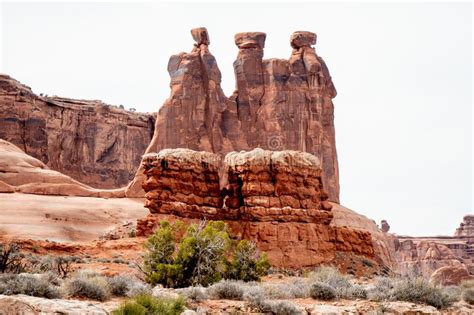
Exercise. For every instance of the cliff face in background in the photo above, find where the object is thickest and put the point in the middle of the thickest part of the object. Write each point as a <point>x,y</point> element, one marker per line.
<point>92,142</point>
<point>278,104</point>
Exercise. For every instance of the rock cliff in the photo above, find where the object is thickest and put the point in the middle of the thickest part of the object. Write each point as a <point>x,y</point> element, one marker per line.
<point>279,104</point>
<point>276,198</point>
<point>94,143</point>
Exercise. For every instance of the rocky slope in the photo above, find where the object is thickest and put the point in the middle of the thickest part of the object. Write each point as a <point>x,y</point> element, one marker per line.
<point>20,172</point>
<point>275,198</point>
<point>278,104</point>
<point>92,142</point>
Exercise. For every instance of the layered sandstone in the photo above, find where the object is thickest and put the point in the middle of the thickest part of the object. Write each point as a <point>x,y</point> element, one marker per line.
<point>466,228</point>
<point>92,142</point>
<point>428,254</point>
<point>274,198</point>
<point>278,104</point>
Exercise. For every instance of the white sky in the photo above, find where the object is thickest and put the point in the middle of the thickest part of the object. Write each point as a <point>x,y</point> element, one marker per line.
<point>403,74</point>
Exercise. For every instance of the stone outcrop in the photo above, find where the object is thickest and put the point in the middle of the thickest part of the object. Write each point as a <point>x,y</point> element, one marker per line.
<point>384,226</point>
<point>20,172</point>
<point>274,198</point>
<point>450,275</point>
<point>385,244</point>
<point>428,254</point>
<point>466,228</point>
<point>92,142</point>
<point>278,104</point>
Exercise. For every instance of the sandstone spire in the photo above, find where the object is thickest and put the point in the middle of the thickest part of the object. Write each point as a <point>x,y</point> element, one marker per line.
<point>278,104</point>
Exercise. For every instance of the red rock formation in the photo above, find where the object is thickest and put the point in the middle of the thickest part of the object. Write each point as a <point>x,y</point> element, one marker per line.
<point>450,275</point>
<point>90,141</point>
<point>384,226</point>
<point>278,104</point>
<point>22,173</point>
<point>274,198</point>
<point>466,228</point>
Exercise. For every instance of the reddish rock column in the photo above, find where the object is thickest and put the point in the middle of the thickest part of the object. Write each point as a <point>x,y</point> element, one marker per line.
<point>249,81</point>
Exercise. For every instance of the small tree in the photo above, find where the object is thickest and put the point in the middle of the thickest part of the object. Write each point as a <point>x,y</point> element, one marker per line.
<point>11,260</point>
<point>201,256</point>
<point>247,263</point>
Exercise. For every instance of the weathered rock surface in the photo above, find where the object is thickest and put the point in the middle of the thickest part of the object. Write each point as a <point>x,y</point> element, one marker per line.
<point>466,228</point>
<point>92,142</point>
<point>22,173</point>
<point>450,275</point>
<point>430,253</point>
<point>30,305</point>
<point>278,104</point>
<point>65,219</point>
<point>275,198</point>
<point>385,245</point>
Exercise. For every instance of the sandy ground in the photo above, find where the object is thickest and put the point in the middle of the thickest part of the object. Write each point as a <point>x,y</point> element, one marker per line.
<point>64,218</point>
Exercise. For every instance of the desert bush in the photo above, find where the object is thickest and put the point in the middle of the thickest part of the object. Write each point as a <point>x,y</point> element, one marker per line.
<point>291,290</point>
<point>468,295</point>
<point>146,304</point>
<point>247,263</point>
<point>202,256</point>
<point>330,276</point>
<point>383,289</point>
<point>466,284</point>
<point>322,291</point>
<point>138,288</point>
<point>227,289</point>
<point>11,259</point>
<point>255,295</point>
<point>88,284</point>
<point>356,292</point>
<point>281,308</point>
<point>196,293</point>
<point>119,285</point>
<point>418,290</point>
<point>27,284</point>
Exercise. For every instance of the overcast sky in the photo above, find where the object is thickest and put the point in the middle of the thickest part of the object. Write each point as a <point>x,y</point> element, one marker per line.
<point>403,73</point>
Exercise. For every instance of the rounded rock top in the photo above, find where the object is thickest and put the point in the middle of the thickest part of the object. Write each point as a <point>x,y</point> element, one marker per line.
<point>250,40</point>
<point>303,38</point>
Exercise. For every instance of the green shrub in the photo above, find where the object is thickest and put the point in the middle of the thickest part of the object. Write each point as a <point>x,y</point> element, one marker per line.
<point>322,291</point>
<point>149,305</point>
<point>29,285</point>
<point>200,256</point>
<point>247,263</point>
<point>468,296</point>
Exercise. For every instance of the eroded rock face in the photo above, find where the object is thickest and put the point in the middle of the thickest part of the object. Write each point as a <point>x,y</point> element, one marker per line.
<point>466,228</point>
<point>424,257</point>
<point>278,104</point>
<point>22,173</point>
<point>90,141</point>
<point>274,198</point>
<point>451,275</point>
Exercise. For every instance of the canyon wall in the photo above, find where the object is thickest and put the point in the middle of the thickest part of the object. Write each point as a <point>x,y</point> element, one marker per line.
<point>276,198</point>
<point>279,104</point>
<point>94,143</point>
<point>439,256</point>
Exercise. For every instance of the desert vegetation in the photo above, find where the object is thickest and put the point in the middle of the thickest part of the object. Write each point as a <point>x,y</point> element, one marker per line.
<point>185,267</point>
<point>200,254</point>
